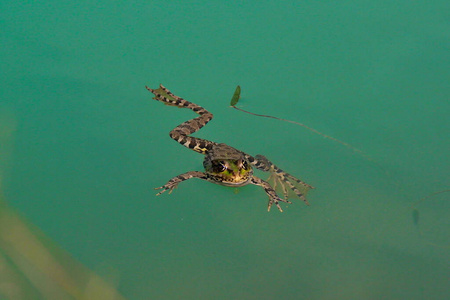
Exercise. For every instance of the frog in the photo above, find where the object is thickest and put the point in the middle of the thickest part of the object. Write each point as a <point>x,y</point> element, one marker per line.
<point>223,164</point>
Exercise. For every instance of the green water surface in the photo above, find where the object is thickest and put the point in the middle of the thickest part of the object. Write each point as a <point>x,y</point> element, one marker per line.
<point>89,144</point>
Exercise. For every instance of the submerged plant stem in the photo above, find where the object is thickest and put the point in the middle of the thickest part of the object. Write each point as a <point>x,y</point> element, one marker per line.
<point>311,129</point>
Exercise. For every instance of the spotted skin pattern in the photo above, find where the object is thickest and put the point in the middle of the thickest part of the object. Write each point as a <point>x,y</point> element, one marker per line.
<point>223,164</point>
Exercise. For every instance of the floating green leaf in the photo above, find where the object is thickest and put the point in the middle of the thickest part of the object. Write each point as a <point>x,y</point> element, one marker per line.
<point>236,96</point>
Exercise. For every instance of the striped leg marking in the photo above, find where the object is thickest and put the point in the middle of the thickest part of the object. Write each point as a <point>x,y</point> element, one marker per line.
<point>181,132</point>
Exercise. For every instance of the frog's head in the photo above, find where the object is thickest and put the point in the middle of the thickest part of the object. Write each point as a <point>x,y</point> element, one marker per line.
<point>231,172</point>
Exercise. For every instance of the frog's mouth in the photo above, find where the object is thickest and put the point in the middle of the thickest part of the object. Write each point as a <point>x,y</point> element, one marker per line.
<point>232,177</point>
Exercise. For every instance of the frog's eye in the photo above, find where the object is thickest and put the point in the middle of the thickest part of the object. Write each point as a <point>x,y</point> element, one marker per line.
<point>219,166</point>
<point>245,165</point>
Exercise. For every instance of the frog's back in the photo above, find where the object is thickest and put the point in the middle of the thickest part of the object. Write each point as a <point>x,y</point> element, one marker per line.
<point>223,151</point>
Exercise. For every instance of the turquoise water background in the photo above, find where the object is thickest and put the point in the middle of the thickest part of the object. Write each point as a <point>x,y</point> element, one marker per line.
<point>89,144</point>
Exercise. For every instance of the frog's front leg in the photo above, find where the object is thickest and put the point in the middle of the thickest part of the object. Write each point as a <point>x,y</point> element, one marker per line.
<point>273,197</point>
<point>172,183</point>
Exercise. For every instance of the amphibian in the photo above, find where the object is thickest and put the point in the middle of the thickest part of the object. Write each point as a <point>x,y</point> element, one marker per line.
<point>224,164</point>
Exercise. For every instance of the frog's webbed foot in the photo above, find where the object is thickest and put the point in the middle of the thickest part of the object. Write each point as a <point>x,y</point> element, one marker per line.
<point>273,197</point>
<point>173,183</point>
<point>168,186</point>
<point>278,181</point>
<point>283,179</point>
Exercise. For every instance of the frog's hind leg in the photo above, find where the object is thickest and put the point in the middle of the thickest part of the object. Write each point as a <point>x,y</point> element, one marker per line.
<point>273,197</point>
<point>281,177</point>
<point>173,183</point>
<point>181,132</point>
<point>278,181</point>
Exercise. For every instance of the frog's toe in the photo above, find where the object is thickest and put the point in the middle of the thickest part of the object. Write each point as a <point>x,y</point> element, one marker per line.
<point>277,203</point>
<point>269,205</point>
<point>164,188</point>
<point>271,202</point>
